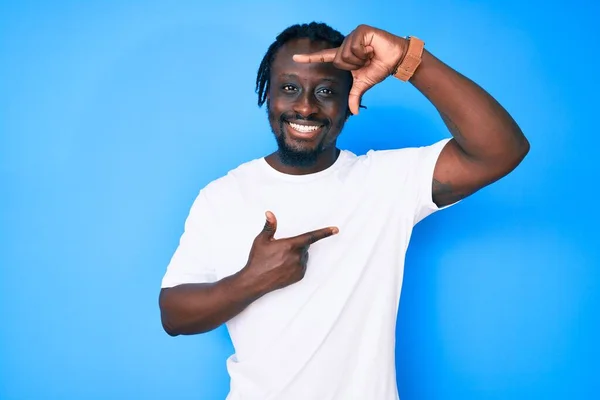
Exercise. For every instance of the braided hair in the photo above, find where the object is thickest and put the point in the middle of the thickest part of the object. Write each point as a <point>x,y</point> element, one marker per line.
<point>314,31</point>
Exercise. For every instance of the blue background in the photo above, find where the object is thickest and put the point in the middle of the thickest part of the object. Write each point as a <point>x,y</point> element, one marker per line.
<point>114,114</point>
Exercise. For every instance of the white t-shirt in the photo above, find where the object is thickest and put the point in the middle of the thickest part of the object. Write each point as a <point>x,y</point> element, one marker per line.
<point>331,335</point>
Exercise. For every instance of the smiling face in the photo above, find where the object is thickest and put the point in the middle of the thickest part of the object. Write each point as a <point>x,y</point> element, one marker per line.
<point>307,104</point>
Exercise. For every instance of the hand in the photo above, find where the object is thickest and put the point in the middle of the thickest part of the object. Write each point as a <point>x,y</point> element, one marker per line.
<point>370,53</point>
<point>277,263</point>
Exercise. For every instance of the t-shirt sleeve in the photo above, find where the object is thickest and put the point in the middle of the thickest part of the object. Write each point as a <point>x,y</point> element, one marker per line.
<point>193,261</point>
<point>426,160</point>
<point>407,175</point>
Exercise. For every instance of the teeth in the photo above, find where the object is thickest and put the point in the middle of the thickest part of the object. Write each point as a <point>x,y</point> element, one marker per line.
<point>304,128</point>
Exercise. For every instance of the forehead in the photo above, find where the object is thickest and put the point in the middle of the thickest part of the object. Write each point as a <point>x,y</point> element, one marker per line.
<point>284,64</point>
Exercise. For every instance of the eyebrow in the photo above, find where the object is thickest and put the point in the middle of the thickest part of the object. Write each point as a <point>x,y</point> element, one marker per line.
<point>294,76</point>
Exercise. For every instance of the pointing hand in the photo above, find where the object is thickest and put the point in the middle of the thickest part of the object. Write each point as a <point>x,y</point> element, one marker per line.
<point>277,263</point>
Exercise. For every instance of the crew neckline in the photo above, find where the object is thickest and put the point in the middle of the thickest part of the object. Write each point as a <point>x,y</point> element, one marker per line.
<point>306,177</point>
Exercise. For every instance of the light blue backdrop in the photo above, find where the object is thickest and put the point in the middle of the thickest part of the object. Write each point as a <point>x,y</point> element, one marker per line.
<point>114,114</point>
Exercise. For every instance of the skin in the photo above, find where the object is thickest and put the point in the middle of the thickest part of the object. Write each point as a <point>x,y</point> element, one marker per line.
<point>487,143</point>
<point>272,264</point>
<point>306,93</point>
<point>310,85</point>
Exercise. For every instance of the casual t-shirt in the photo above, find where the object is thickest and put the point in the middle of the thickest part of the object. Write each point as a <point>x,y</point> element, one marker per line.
<point>332,334</point>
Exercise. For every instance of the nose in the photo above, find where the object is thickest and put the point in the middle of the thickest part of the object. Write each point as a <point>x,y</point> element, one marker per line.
<point>306,105</point>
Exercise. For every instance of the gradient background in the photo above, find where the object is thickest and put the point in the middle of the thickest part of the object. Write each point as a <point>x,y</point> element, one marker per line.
<point>114,114</point>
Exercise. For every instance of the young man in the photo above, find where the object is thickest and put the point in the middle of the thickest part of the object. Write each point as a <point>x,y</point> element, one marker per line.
<point>310,300</point>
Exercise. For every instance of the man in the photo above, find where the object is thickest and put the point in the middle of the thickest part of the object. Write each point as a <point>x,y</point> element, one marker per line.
<point>310,301</point>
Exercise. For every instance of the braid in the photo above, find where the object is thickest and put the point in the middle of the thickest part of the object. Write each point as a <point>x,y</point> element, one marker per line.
<point>313,31</point>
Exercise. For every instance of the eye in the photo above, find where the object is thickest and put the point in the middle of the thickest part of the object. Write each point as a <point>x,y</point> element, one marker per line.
<point>289,88</point>
<point>325,91</point>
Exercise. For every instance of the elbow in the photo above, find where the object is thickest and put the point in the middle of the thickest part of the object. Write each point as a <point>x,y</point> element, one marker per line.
<point>177,319</point>
<point>509,159</point>
<point>524,148</point>
<point>166,317</point>
<point>518,153</point>
<point>522,151</point>
<point>173,329</point>
<point>170,330</point>
<point>180,315</point>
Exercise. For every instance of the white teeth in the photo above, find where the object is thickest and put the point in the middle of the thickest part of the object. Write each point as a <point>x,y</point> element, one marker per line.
<point>304,128</point>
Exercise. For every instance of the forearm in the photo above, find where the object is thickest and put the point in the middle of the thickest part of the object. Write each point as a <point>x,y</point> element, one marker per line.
<point>201,307</point>
<point>480,125</point>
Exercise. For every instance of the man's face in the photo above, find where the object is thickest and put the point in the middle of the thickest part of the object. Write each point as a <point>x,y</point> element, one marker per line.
<point>307,104</point>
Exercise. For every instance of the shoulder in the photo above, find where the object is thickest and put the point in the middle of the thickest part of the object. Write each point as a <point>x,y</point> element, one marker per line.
<point>226,186</point>
<point>406,158</point>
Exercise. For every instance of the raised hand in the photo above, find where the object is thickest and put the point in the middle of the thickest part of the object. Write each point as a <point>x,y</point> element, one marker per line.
<point>371,55</point>
<point>277,263</point>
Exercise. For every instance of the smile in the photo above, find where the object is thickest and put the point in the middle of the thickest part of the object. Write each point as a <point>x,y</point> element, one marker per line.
<point>304,128</point>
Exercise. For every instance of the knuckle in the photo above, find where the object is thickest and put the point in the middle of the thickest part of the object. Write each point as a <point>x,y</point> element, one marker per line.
<point>356,47</point>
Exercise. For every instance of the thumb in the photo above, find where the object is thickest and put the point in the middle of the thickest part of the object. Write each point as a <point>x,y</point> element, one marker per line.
<point>270,226</point>
<point>359,87</point>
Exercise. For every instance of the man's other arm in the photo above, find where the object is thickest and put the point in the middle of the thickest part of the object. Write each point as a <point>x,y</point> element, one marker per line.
<point>194,308</point>
<point>487,143</point>
<point>273,264</point>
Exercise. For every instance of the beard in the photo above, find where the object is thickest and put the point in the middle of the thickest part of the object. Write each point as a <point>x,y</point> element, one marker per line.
<point>297,156</point>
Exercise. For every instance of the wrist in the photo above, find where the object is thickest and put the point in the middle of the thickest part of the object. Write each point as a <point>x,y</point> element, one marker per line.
<point>411,58</point>
<point>248,283</point>
<point>403,48</point>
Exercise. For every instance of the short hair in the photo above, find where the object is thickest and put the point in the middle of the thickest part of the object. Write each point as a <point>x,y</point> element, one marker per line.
<point>315,31</point>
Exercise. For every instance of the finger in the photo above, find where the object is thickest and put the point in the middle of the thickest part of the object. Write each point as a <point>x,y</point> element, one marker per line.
<point>344,57</point>
<point>306,239</point>
<point>323,56</point>
<point>359,87</point>
<point>358,48</point>
<point>349,62</point>
<point>362,52</point>
<point>270,225</point>
<point>348,66</point>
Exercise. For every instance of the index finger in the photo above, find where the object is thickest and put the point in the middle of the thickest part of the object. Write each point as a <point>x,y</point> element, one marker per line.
<point>308,238</point>
<point>324,56</point>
